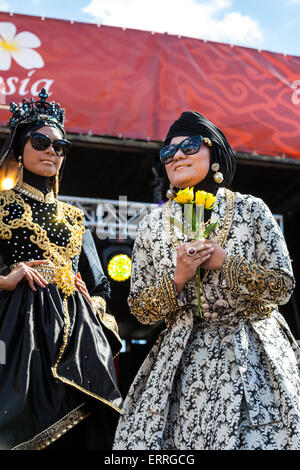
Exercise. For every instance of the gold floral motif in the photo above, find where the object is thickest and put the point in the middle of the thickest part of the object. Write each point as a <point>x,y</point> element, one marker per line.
<point>259,282</point>
<point>155,304</point>
<point>58,275</point>
<point>64,279</point>
<point>261,308</point>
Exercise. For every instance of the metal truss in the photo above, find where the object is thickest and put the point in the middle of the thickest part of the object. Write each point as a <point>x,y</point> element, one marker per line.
<point>118,219</point>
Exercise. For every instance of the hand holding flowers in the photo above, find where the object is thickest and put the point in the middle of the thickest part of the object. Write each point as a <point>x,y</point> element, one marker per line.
<point>193,225</point>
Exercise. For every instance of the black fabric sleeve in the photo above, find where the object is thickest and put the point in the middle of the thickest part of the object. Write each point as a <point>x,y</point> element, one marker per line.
<point>91,269</point>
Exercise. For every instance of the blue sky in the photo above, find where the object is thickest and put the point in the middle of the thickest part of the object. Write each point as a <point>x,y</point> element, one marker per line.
<point>264,24</point>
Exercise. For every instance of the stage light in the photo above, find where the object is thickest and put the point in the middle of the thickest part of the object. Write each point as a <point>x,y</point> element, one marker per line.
<point>116,261</point>
<point>6,183</point>
<point>9,173</point>
<point>119,267</point>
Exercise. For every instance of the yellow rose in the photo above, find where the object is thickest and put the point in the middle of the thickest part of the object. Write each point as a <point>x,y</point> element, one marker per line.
<point>200,197</point>
<point>185,196</point>
<point>210,200</point>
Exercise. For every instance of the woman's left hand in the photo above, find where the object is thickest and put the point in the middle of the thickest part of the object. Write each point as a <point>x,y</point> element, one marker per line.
<point>216,259</point>
<point>80,284</point>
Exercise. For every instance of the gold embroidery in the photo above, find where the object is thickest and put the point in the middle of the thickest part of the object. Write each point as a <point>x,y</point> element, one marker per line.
<point>160,303</point>
<point>227,219</point>
<point>34,193</point>
<point>59,255</point>
<point>62,349</point>
<point>259,281</point>
<point>54,432</point>
<point>261,308</point>
<point>64,279</point>
<point>58,275</point>
<point>155,304</point>
<point>108,320</point>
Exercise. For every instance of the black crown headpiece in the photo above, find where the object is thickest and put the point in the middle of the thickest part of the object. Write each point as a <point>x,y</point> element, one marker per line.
<point>40,110</point>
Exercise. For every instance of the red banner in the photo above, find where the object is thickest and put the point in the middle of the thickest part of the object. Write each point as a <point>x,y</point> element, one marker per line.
<point>134,84</point>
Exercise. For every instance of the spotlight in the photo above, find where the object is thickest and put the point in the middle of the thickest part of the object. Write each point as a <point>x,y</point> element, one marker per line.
<point>119,267</point>
<point>6,183</point>
<point>117,261</point>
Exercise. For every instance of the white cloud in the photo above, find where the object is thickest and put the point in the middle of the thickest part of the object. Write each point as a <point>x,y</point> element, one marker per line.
<point>212,20</point>
<point>4,6</point>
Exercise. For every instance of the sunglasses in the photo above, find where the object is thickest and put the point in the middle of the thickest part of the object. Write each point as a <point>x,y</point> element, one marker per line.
<point>188,146</point>
<point>41,142</point>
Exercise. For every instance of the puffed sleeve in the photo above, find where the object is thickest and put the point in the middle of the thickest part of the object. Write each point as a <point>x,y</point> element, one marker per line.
<point>270,278</point>
<point>153,295</point>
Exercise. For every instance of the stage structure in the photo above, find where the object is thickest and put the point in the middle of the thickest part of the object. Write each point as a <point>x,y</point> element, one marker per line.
<point>122,88</point>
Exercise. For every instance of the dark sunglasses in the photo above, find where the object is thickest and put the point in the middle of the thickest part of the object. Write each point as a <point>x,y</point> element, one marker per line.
<point>41,142</point>
<point>188,146</point>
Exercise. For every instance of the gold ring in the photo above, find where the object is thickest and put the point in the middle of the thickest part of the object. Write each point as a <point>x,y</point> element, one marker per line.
<point>191,251</point>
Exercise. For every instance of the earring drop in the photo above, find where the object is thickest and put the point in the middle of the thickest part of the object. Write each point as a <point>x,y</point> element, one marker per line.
<point>20,171</point>
<point>218,176</point>
<point>56,184</point>
<point>207,141</point>
<point>171,193</point>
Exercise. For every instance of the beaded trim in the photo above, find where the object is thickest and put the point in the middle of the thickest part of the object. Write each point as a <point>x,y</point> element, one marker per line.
<point>155,303</point>
<point>239,273</point>
<point>228,217</point>
<point>54,432</point>
<point>63,278</point>
<point>62,349</point>
<point>108,320</point>
<point>34,193</point>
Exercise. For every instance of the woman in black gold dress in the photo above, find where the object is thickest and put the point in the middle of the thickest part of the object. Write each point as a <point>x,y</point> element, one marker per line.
<point>58,386</point>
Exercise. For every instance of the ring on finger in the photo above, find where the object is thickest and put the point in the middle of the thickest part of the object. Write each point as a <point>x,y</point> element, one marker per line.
<point>191,251</point>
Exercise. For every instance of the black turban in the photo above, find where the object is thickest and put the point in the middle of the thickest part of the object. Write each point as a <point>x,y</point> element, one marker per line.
<point>193,123</point>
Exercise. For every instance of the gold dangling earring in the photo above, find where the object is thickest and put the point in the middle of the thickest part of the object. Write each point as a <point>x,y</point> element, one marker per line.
<point>20,171</point>
<point>56,184</point>
<point>171,193</point>
<point>218,176</point>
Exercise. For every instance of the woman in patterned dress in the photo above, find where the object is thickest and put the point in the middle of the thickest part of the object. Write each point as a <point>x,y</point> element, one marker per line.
<point>57,384</point>
<point>229,380</point>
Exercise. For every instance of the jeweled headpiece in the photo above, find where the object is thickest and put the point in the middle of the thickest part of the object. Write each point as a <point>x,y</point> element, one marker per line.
<point>26,117</point>
<point>40,110</point>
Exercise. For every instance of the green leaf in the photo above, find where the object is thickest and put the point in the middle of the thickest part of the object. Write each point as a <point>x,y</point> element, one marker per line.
<point>185,228</point>
<point>210,229</point>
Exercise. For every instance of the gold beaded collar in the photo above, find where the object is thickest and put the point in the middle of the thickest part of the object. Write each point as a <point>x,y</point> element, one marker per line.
<point>34,193</point>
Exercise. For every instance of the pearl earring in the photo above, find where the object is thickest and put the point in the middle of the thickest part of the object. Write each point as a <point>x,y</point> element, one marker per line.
<point>218,176</point>
<point>171,193</point>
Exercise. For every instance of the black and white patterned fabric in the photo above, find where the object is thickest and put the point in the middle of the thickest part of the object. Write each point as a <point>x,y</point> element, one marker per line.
<point>230,381</point>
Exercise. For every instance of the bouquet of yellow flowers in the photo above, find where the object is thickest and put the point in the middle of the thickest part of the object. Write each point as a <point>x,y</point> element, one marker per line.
<point>193,220</point>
